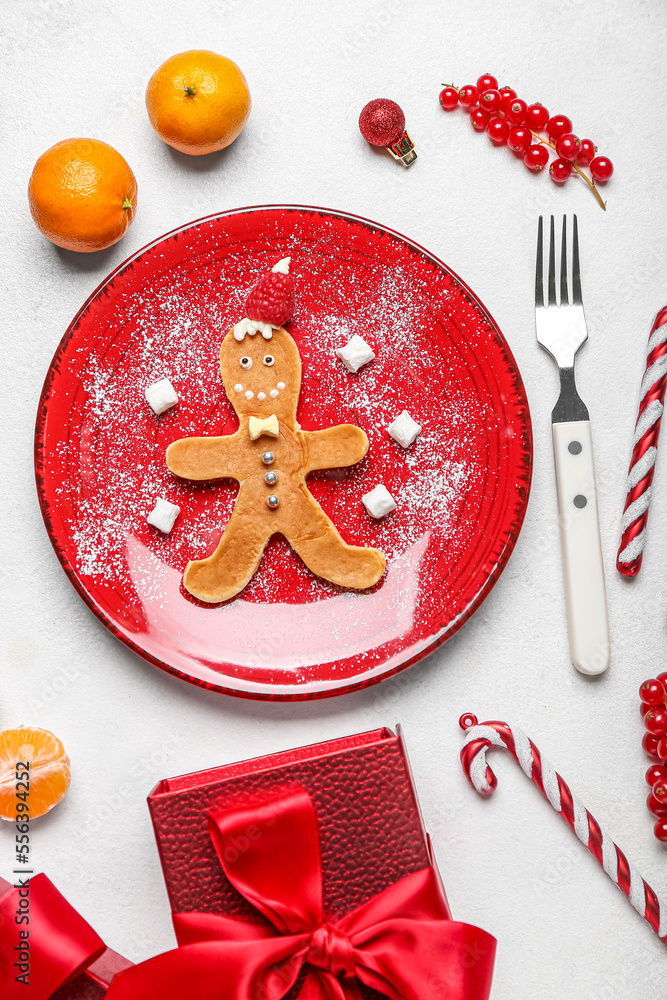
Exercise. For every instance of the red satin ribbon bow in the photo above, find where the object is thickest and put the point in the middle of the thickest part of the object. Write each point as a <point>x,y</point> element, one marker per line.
<point>59,946</point>
<point>400,943</point>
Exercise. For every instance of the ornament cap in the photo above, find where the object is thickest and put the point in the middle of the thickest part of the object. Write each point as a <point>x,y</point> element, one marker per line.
<point>403,150</point>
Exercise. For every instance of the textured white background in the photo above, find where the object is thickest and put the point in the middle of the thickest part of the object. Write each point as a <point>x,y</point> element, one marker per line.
<point>72,68</point>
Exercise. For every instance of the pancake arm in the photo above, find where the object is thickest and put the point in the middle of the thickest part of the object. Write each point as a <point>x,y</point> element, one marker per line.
<point>204,457</point>
<point>334,447</point>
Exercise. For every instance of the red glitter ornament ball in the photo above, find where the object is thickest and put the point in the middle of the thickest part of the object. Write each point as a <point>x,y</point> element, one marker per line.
<point>381,122</point>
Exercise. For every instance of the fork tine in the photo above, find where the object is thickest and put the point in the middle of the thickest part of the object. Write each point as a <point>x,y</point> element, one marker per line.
<point>564,301</point>
<point>576,280</point>
<point>552,265</point>
<point>539,278</point>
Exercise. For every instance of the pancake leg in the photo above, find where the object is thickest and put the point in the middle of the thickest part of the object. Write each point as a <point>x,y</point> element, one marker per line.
<point>315,538</point>
<point>228,570</point>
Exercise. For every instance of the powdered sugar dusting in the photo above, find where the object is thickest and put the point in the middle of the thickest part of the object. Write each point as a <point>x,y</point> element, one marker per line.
<point>178,336</point>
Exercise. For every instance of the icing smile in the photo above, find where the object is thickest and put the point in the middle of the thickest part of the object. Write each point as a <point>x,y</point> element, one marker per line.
<point>261,396</point>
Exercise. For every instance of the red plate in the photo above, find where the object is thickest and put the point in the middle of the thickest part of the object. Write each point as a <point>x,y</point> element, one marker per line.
<point>461,489</point>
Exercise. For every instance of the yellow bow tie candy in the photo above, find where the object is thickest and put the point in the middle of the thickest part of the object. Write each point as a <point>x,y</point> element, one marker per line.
<point>257,427</point>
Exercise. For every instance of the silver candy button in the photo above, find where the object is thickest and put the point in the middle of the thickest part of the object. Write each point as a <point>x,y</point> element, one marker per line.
<point>271,478</point>
<point>272,501</point>
<point>267,458</point>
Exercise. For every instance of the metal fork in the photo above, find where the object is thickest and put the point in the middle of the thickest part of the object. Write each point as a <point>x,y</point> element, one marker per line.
<point>561,330</point>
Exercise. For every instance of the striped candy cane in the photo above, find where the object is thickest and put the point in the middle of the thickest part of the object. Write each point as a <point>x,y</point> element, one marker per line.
<point>644,450</point>
<point>481,738</point>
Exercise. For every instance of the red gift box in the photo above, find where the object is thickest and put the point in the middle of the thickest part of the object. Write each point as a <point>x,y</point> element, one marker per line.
<point>371,830</point>
<point>306,873</point>
<point>47,950</point>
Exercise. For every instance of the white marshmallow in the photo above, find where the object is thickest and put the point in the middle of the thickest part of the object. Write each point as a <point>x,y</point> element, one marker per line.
<point>161,396</point>
<point>163,515</point>
<point>404,429</point>
<point>379,501</point>
<point>355,353</point>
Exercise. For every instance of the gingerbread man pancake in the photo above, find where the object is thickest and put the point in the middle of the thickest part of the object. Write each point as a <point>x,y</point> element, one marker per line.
<point>271,456</point>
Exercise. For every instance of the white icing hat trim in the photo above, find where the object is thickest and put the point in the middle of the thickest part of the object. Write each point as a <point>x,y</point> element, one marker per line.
<point>282,267</point>
<point>253,326</point>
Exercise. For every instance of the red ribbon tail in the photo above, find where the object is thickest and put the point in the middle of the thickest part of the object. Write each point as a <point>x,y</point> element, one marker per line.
<point>215,970</point>
<point>60,942</point>
<point>319,985</point>
<point>428,960</point>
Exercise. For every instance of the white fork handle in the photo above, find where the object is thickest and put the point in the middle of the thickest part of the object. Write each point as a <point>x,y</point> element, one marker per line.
<point>585,596</point>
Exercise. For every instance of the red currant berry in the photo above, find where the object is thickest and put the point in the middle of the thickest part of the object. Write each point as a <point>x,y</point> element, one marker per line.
<point>507,93</point>
<point>490,100</point>
<point>660,791</point>
<point>536,157</point>
<point>480,119</point>
<point>660,830</point>
<point>487,82</point>
<point>557,126</point>
<point>468,96</point>
<point>652,692</point>
<point>663,679</point>
<point>449,98</point>
<point>586,153</point>
<point>498,130</point>
<point>601,168</point>
<point>655,806</point>
<point>536,117</point>
<point>661,749</point>
<point>519,139</point>
<point>650,745</point>
<point>655,773</point>
<point>643,708</point>
<point>655,721</point>
<point>515,111</point>
<point>559,171</point>
<point>568,145</point>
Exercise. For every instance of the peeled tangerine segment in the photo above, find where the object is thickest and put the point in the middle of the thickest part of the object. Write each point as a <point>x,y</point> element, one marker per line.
<point>48,774</point>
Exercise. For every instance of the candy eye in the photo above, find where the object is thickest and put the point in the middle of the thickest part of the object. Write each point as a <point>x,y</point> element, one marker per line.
<point>269,360</point>
<point>246,363</point>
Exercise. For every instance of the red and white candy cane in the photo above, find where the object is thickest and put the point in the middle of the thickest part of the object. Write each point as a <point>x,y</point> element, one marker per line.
<point>644,450</point>
<point>484,736</point>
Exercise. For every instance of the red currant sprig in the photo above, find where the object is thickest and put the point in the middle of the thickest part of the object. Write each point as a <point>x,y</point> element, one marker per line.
<point>653,695</point>
<point>508,120</point>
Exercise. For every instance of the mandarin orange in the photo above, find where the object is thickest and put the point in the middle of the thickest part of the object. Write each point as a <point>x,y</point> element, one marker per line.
<point>33,791</point>
<point>198,101</point>
<point>83,195</point>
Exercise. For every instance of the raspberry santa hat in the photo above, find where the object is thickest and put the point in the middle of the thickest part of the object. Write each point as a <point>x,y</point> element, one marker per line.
<point>270,303</point>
